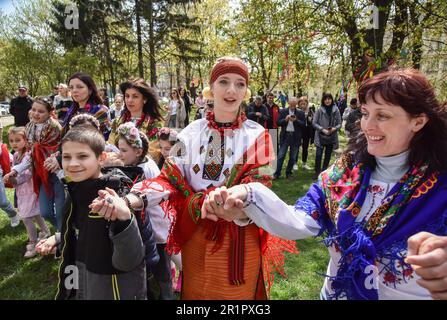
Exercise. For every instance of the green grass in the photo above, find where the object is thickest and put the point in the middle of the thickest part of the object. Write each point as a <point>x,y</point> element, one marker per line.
<point>36,278</point>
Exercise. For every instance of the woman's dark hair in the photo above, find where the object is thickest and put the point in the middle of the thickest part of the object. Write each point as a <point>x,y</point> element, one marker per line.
<point>325,96</point>
<point>166,136</point>
<point>151,107</point>
<point>45,102</point>
<point>86,134</point>
<point>145,142</point>
<point>411,90</point>
<point>94,96</point>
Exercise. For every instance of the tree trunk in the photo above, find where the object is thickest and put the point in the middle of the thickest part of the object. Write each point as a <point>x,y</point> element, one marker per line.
<point>263,71</point>
<point>152,62</point>
<point>109,58</point>
<point>139,45</point>
<point>416,41</point>
<point>177,72</point>
<point>187,74</point>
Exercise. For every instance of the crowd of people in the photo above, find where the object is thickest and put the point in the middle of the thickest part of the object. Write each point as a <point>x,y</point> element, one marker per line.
<point>128,191</point>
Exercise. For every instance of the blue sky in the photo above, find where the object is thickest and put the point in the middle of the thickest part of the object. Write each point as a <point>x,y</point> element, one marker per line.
<point>6,6</point>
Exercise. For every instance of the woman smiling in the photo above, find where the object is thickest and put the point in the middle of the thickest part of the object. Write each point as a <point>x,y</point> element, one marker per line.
<point>372,204</point>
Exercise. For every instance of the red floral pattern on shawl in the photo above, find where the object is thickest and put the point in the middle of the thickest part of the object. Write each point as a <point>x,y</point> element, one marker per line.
<point>42,147</point>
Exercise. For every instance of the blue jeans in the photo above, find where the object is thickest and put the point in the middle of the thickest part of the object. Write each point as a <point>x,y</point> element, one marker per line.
<point>319,157</point>
<point>51,206</point>
<point>5,205</point>
<point>288,141</point>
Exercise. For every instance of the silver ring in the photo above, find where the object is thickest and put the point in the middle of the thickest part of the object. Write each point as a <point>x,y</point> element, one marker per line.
<point>109,200</point>
<point>219,203</point>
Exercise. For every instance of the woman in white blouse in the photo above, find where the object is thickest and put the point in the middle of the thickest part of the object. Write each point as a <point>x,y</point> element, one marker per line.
<point>382,206</point>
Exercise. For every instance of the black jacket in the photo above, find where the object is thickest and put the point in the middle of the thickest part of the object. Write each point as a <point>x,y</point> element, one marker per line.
<point>263,119</point>
<point>76,245</point>
<point>351,122</point>
<point>136,174</point>
<point>298,124</point>
<point>20,106</point>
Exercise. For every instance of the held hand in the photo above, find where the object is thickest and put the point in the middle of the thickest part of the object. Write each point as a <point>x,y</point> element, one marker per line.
<point>258,114</point>
<point>46,246</point>
<point>51,164</point>
<point>6,178</point>
<point>225,203</point>
<point>110,206</point>
<point>325,131</point>
<point>427,254</point>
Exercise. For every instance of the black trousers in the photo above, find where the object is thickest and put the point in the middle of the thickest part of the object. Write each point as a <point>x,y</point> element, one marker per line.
<point>327,157</point>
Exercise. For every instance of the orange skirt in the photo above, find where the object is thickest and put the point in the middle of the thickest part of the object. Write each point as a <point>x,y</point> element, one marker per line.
<point>206,274</point>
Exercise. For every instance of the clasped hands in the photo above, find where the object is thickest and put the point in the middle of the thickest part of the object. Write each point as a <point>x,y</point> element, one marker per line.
<point>226,204</point>
<point>427,254</point>
<point>109,205</point>
<point>329,131</point>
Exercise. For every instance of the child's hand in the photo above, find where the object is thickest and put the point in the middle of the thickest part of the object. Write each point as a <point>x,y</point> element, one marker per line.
<point>51,164</point>
<point>13,180</point>
<point>46,246</point>
<point>6,178</point>
<point>110,206</point>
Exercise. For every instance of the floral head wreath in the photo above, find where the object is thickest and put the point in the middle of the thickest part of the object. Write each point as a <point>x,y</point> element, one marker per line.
<point>131,133</point>
<point>84,119</point>
<point>169,132</point>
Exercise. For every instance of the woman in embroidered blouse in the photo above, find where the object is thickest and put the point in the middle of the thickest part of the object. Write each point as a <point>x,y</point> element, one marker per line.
<point>220,260</point>
<point>388,186</point>
<point>142,108</point>
<point>86,100</point>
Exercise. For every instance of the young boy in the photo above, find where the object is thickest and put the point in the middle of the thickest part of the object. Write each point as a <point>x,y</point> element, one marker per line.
<point>102,253</point>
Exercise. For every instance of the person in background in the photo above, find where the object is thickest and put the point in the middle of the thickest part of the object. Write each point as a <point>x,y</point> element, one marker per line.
<point>291,120</point>
<point>355,114</point>
<point>184,95</point>
<point>54,93</point>
<point>103,95</point>
<point>117,106</point>
<point>258,112</point>
<point>327,122</point>
<point>62,102</point>
<point>308,132</point>
<point>20,107</point>
<point>176,111</point>
<point>282,98</point>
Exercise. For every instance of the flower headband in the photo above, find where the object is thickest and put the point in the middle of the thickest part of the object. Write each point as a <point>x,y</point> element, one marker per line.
<point>129,132</point>
<point>169,132</point>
